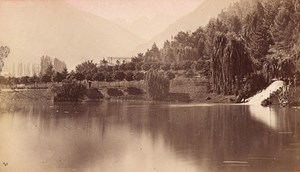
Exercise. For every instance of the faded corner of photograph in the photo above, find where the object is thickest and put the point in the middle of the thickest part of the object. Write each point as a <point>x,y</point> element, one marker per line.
<point>150,85</point>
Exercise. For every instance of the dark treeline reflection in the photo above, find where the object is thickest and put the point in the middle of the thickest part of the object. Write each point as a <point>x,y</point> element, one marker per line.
<point>226,136</point>
<point>141,136</point>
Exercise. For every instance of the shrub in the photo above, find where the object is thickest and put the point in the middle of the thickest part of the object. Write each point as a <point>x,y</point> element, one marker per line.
<point>99,76</point>
<point>69,90</point>
<point>134,91</point>
<point>129,76</point>
<point>119,76</point>
<point>130,66</point>
<point>139,76</point>
<point>94,94</point>
<point>109,77</point>
<point>114,92</point>
<point>24,80</point>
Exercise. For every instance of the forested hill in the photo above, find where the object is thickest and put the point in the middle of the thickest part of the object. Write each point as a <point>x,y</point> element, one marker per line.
<point>245,47</point>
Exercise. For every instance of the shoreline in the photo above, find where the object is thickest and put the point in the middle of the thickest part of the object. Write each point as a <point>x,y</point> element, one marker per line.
<point>44,95</point>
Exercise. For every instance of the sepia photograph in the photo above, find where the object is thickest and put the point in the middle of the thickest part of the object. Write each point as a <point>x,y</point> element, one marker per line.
<point>149,85</point>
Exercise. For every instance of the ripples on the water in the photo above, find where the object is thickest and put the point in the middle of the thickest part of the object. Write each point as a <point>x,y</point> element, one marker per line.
<point>126,136</point>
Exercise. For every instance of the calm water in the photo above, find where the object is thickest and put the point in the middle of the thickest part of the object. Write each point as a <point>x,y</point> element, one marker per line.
<point>141,136</point>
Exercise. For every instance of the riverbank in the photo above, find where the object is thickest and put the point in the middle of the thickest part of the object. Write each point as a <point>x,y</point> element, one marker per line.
<point>179,93</point>
<point>182,89</point>
<point>9,98</point>
<point>290,98</point>
<point>45,95</point>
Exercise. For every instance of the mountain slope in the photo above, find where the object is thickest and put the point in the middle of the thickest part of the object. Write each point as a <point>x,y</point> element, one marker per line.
<point>199,17</point>
<point>34,28</point>
<point>145,27</point>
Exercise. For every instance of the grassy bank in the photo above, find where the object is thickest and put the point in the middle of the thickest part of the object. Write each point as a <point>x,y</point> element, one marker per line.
<point>197,89</point>
<point>25,94</point>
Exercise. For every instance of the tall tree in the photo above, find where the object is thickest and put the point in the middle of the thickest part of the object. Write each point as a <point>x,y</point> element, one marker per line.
<point>50,71</point>
<point>230,64</point>
<point>58,77</point>
<point>283,28</point>
<point>65,73</point>
<point>153,54</point>
<point>257,33</point>
<point>157,84</point>
<point>87,69</point>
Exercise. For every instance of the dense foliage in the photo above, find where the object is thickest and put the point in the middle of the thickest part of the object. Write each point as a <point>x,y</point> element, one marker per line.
<point>230,64</point>
<point>134,91</point>
<point>94,94</point>
<point>251,38</point>
<point>114,92</point>
<point>249,42</point>
<point>69,90</point>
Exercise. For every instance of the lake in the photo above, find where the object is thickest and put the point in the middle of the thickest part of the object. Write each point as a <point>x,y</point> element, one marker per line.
<point>128,136</point>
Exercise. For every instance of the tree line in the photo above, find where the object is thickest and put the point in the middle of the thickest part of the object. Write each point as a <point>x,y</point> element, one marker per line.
<point>239,52</point>
<point>251,41</point>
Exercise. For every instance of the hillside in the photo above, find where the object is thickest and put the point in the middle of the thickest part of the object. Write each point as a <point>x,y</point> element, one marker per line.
<point>240,52</point>
<point>199,17</point>
<point>145,27</point>
<point>34,28</point>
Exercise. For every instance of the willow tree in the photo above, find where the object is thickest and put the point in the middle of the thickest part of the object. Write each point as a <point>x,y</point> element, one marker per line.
<point>157,84</point>
<point>230,64</point>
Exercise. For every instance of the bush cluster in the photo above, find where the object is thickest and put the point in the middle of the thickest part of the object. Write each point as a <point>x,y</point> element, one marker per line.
<point>69,90</point>
<point>114,92</point>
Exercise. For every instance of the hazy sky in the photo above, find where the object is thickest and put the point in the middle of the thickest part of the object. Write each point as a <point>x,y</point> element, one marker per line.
<point>134,9</point>
<point>52,31</point>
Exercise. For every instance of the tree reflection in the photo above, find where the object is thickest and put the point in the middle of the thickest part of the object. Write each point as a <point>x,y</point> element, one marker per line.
<point>211,138</point>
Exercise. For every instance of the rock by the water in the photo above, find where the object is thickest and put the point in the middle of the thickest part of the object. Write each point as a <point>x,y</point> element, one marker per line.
<point>208,98</point>
<point>238,99</point>
<point>266,102</point>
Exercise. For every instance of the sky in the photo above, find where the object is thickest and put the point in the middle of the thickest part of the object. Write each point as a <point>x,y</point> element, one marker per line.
<point>131,10</point>
<point>39,24</point>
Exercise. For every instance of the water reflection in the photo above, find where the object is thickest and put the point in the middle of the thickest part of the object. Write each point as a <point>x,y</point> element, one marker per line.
<point>131,136</point>
<point>265,115</point>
